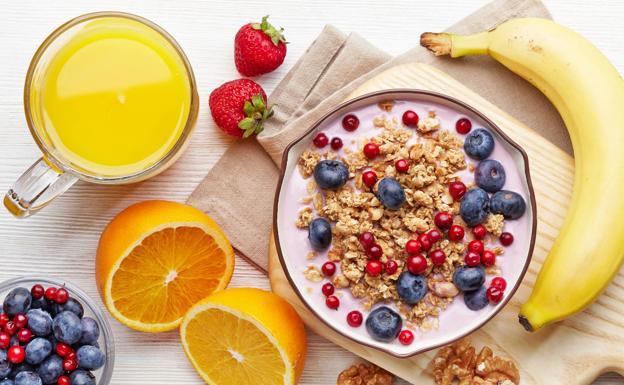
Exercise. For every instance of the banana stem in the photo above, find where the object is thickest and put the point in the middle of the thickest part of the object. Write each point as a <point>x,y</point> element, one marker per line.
<point>455,45</point>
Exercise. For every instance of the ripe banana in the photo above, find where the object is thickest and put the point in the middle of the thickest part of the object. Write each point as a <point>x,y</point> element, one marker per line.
<point>588,92</point>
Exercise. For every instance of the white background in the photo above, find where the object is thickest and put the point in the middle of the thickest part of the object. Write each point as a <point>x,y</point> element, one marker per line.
<point>61,240</point>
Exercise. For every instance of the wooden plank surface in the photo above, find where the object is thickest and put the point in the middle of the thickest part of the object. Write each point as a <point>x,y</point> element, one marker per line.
<point>61,240</point>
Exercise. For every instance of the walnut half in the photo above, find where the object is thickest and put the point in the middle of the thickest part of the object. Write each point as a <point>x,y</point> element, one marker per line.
<point>365,374</point>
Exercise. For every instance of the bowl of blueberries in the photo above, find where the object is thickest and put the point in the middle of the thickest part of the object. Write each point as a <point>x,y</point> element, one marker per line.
<point>51,332</point>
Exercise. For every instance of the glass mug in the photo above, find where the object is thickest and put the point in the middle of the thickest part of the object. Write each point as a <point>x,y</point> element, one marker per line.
<point>109,98</point>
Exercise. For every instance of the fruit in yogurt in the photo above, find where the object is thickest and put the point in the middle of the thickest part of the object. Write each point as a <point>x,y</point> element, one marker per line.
<point>476,299</point>
<point>331,174</point>
<point>383,324</point>
<point>411,288</point>
<point>474,206</point>
<point>319,233</point>
<point>508,203</point>
<point>259,48</point>
<point>479,144</point>
<point>390,193</point>
<point>490,175</point>
<point>350,122</point>
<point>469,278</point>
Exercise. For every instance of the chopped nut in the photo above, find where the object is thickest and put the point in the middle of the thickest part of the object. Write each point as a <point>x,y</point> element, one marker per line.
<point>341,282</point>
<point>445,289</point>
<point>365,374</point>
<point>311,255</point>
<point>313,273</point>
<point>386,105</point>
<point>305,217</point>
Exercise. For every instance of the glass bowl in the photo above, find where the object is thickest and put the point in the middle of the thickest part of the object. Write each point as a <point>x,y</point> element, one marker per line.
<point>91,309</point>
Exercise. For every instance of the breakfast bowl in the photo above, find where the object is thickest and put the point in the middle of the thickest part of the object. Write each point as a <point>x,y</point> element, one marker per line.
<point>404,219</point>
<point>105,340</point>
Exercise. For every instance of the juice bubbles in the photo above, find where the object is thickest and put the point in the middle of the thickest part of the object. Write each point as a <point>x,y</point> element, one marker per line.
<point>114,99</point>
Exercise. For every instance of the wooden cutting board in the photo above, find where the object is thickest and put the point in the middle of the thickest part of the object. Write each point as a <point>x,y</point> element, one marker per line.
<point>575,351</point>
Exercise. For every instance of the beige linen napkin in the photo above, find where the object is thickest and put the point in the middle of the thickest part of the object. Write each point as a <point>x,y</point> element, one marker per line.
<point>238,191</point>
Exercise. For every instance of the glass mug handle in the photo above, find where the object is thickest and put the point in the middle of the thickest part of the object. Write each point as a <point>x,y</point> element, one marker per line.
<point>37,187</point>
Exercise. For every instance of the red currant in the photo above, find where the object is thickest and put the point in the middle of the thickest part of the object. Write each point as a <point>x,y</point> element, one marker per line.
<point>406,337</point>
<point>329,268</point>
<point>456,233</point>
<point>20,320</point>
<point>367,239</point>
<point>413,246</point>
<point>416,264</point>
<point>479,231</point>
<point>410,118</point>
<point>494,294</point>
<point>10,328</point>
<point>371,150</point>
<point>488,258</point>
<point>332,302</point>
<point>402,165</point>
<point>63,380</point>
<point>5,340</point>
<point>63,350</point>
<point>24,335</point>
<point>71,355</point>
<point>62,296</point>
<point>457,190</point>
<point>4,318</point>
<point>472,259</point>
<point>69,364</point>
<point>16,354</point>
<point>374,252</point>
<point>327,289</point>
<point>50,294</point>
<point>443,220</point>
<point>320,140</point>
<point>499,282</point>
<point>476,246</point>
<point>434,235</point>
<point>391,267</point>
<point>506,239</point>
<point>463,126</point>
<point>37,291</point>
<point>425,241</point>
<point>336,144</point>
<point>374,268</point>
<point>437,257</point>
<point>350,122</point>
<point>369,178</point>
<point>355,318</point>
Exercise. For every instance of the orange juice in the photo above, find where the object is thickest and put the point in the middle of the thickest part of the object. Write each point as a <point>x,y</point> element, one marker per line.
<point>115,98</point>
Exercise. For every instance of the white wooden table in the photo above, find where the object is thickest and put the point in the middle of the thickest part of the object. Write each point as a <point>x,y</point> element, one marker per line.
<point>61,240</point>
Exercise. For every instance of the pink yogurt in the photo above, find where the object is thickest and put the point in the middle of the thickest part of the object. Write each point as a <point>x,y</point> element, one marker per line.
<point>457,319</point>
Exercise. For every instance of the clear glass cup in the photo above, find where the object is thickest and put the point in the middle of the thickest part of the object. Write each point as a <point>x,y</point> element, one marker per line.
<point>106,340</point>
<point>53,173</point>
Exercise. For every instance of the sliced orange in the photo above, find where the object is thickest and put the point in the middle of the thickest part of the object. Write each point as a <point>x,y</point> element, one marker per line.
<point>245,337</point>
<point>156,259</point>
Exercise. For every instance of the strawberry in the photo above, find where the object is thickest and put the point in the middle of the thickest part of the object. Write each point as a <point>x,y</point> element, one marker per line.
<point>239,107</point>
<point>259,48</point>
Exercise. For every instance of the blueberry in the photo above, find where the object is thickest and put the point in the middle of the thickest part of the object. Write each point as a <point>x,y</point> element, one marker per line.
<point>38,350</point>
<point>90,357</point>
<point>71,305</point>
<point>476,299</point>
<point>469,278</point>
<point>39,322</point>
<point>67,327</point>
<point>319,233</point>
<point>474,206</point>
<point>490,175</point>
<point>17,301</point>
<point>390,193</point>
<point>508,203</point>
<point>5,365</point>
<point>383,324</point>
<point>28,378</point>
<point>17,369</point>
<point>331,174</point>
<point>411,288</point>
<point>479,144</point>
<point>40,303</point>
<point>51,369</point>
<point>82,377</point>
<point>90,331</point>
<point>7,382</point>
<point>14,341</point>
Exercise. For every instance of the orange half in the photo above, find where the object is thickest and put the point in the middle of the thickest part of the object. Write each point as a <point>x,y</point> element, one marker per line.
<point>156,259</point>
